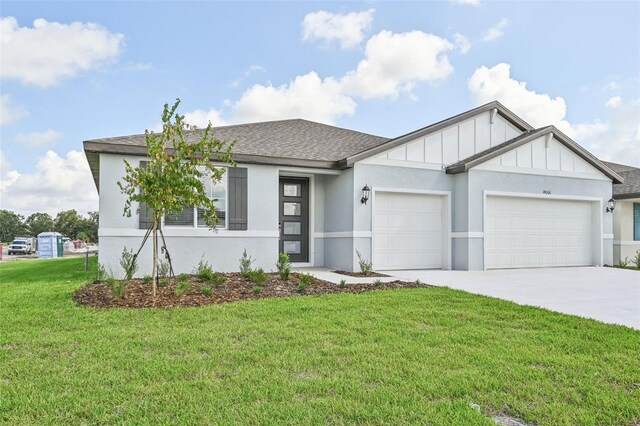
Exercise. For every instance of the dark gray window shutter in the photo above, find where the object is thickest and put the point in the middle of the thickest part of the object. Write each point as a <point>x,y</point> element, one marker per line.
<point>146,214</point>
<point>237,198</point>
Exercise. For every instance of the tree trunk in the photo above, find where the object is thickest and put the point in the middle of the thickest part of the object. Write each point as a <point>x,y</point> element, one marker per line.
<point>154,265</point>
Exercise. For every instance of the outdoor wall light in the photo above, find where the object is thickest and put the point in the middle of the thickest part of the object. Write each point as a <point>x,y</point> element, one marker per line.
<point>611,205</point>
<point>366,191</point>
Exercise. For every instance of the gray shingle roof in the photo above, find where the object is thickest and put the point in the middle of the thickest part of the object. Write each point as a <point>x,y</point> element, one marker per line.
<point>283,139</point>
<point>631,186</point>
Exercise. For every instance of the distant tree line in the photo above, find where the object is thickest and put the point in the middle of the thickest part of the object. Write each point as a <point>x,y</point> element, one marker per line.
<point>69,223</point>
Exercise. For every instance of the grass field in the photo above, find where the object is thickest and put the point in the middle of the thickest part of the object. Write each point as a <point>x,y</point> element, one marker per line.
<point>391,357</point>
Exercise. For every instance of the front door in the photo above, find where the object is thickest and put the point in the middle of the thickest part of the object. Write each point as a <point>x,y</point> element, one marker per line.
<point>294,218</point>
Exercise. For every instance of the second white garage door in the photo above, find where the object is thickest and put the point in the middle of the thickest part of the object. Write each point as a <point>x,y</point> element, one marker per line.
<point>408,231</point>
<point>530,232</point>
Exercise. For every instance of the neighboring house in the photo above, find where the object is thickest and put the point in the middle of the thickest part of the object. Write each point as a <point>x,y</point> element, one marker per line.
<point>480,190</point>
<point>626,215</point>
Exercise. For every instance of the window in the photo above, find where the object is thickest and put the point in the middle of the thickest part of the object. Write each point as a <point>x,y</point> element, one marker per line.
<point>194,217</point>
<point>636,221</point>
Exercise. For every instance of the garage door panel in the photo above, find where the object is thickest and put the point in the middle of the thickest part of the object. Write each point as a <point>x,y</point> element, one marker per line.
<point>533,232</point>
<point>408,231</point>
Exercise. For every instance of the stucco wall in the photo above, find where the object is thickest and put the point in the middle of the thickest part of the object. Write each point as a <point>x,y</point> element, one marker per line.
<point>623,244</point>
<point>338,221</point>
<point>187,245</point>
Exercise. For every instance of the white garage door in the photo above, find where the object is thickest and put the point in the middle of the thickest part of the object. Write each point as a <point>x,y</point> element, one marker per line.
<point>529,232</point>
<point>408,231</point>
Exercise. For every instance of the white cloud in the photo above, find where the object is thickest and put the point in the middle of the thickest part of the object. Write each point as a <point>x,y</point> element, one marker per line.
<point>58,183</point>
<point>616,139</point>
<point>201,118</point>
<point>50,51</point>
<point>614,102</point>
<point>539,109</point>
<point>347,29</point>
<point>462,43</point>
<point>246,74</point>
<point>307,96</point>
<point>9,112</point>
<point>38,139</point>
<point>495,32</point>
<point>466,2</point>
<point>394,62</point>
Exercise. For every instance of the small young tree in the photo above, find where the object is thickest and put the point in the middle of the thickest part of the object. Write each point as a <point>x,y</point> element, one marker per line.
<point>174,176</point>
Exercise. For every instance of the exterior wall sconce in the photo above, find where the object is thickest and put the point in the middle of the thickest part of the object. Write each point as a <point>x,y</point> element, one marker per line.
<point>611,205</point>
<point>366,191</point>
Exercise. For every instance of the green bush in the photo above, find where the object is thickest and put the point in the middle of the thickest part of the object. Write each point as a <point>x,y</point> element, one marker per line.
<point>181,288</point>
<point>117,287</point>
<point>129,263</point>
<point>636,259</point>
<point>366,267</point>
<point>304,280</point>
<point>206,290</point>
<point>622,263</point>
<point>377,282</point>
<point>163,282</point>
<point>163,268</point>
<point>258,276</point>
<point>204,271</point>
<point>343,283</point>
<point>257,289</point>
<point>100,275</point>
<point>245,264</point>
<point>284,266</point>
<point>146,279</point>
<point>182,278</point>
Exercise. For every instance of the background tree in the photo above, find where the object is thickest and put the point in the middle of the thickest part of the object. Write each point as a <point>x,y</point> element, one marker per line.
<point>68,223</point>
<point>90,226</point>
<point>11,225</point>
<point>174,176</point>
<point>38,223</point>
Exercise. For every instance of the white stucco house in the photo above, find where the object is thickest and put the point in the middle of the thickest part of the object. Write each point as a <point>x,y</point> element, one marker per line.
<point>626,215</point>
<point>480,190</point>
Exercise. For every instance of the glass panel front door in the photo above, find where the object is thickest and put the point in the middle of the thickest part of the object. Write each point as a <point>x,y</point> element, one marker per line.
<point>294,218</point>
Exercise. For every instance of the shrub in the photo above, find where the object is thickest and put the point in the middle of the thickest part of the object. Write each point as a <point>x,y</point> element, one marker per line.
<point>365,267</point>
<point>258,276</point>
<point>284,266</point>
<point>418,282</point>
<point>217,279</point>
<point>129,263</point>
<point>181,288</point>
<point>183,278</point>
<point>206,290</point>
<point>163,282</point>
<point>377,282</point>
<point>245,264</point>
<point>117,287</point>
<point>343,283</point>
<point>257,289</point>
<point>204,271</point>
<point>636,259</point>
<point>147,279</point>
<point>304,281</point>
<point>101,274</point>
<point>163,268</point>
<point>623,263</point>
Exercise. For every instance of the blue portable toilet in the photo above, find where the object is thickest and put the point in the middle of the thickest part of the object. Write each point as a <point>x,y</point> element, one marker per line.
<point>49,245</point>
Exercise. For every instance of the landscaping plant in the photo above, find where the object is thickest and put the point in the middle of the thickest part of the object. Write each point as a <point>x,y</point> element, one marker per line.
<point>163,268</point>
<point>636,259</point>
<point>181,288</point>
<point>175,174</point>
<point>245,264</point>
<point>101,274</point>
<point>257,289</point>
<point>206,290</point>
<point>343,283</point>
<point>377,282</point>
<point>284,266</point>
<point>304,280</point>
<point>622,263</point>
<point>117,287</point>
<point>258,276</point>
<point>204,271</point>
<point>129,263</point>
<point>366,267</point>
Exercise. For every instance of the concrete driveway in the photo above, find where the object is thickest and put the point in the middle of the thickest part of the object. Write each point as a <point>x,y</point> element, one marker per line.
<point>605,294</point>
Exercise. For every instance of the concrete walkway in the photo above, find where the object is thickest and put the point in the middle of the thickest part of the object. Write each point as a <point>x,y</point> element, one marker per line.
<point>606,294</point>
<point>328,275</point>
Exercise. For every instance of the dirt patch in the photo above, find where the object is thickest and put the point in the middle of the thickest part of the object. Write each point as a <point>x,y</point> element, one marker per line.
<point>138,294</point>
<point>360,274</point>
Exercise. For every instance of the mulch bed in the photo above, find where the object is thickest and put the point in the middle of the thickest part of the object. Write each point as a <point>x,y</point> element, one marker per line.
<point>361,275</point>
<point>139,294</point>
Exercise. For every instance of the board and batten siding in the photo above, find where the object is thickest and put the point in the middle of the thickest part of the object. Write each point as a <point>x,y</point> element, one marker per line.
<point>238,217</point>
<point>452,144</point>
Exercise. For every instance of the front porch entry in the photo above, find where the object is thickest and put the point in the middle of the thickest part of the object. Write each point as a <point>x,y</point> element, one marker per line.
<point>294,218</point>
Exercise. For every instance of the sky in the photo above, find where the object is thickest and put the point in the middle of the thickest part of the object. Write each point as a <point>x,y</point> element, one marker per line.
<point>72,71</point>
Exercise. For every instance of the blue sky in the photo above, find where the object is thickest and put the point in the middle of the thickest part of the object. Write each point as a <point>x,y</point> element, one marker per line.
<point>96,69</point>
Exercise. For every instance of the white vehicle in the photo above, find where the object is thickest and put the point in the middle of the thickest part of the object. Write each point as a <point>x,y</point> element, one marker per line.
<point>22,245</point>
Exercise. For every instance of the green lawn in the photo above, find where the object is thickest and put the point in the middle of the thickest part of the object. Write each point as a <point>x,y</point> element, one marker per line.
<point>390,357</point>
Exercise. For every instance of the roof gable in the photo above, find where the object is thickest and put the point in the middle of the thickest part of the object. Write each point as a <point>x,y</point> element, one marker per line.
<point>544,151</point>
<point>493,109</point>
